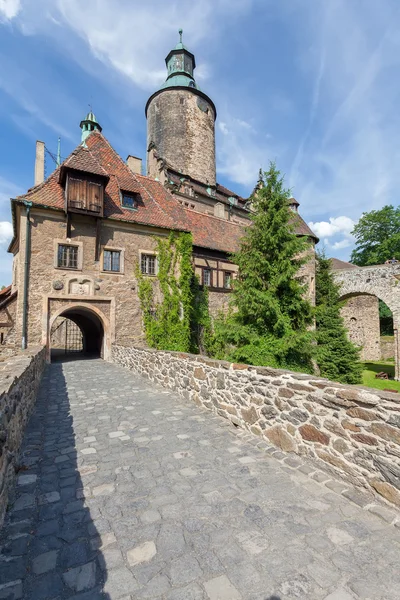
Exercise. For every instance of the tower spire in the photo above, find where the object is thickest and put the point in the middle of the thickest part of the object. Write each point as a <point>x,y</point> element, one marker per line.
<point>180,35</point>
<point>89,124</point>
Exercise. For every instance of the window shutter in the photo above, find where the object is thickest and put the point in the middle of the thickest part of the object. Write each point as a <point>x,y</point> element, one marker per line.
<point>94,196</point>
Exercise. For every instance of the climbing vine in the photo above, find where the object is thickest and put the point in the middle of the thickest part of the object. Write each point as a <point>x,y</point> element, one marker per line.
<point>179,319</point>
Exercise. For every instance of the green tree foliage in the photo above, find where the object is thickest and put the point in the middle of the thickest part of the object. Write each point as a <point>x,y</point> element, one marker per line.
<point>336,356</point>
<point>377,237</point>
<point>270,316</point>
<point>180,321</point>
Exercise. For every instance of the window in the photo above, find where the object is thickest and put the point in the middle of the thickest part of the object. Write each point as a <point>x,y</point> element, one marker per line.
<point>227,280</point>
<point>112,260</point>
<point>148,264</point>
<point>67,257</point>
<point>129,201</point>
<point>207,277</point>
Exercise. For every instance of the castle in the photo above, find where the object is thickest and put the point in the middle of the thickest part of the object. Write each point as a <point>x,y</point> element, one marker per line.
<point>80,233</point>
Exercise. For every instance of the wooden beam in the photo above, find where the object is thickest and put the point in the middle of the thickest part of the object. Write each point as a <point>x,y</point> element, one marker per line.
<point>97,248</point>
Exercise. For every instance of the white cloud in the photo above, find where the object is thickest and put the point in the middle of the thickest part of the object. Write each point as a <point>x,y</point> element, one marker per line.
<point>223,128</point>
<point>335,225</point>
<point>342,244</point>
<point>6,231</point>
<point>106,27</point>
<point>9,9</point>
<point>336,232</point>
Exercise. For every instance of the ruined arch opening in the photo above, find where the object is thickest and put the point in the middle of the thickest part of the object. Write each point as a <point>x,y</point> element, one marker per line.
<point>77,333</point>
<point>369,322</point>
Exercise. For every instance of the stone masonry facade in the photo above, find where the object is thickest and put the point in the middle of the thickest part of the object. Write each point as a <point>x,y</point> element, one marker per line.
<point>361,319</point>
<point>19,382</point>
<point>353,431</point>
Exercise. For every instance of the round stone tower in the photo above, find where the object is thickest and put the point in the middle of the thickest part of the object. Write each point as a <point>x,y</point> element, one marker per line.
<point>181,122</point>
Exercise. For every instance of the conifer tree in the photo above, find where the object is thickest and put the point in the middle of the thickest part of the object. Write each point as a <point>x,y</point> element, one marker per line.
<point>271,314</point>
<point>336,355</point>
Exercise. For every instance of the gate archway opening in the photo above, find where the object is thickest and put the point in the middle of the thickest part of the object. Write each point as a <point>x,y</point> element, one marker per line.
<point>369,323</point>
<point>77,332</point>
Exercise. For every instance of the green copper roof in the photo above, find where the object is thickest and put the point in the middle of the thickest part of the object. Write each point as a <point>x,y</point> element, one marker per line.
<point>89,124</point>
<point>180,64</point>
<point>180,80</point>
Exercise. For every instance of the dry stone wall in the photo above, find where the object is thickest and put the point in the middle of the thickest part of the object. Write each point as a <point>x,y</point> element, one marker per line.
<point>352,430</point>
<point>19,381</point>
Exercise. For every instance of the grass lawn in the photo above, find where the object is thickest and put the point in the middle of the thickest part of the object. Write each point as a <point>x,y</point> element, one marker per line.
<point>370,370</point>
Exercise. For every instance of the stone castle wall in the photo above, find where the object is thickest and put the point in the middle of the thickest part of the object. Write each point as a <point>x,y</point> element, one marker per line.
<point>181,125</point>
<point>361,319</point>
<point>354,431</point>
<point>19,382</point>
<point>47,227</point>
<point>8,340</point>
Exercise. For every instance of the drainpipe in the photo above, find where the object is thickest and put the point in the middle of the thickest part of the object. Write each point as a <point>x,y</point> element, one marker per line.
<point>26,273</point>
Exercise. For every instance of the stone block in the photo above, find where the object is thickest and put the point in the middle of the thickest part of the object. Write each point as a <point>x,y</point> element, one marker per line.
<point>386,490</point>
<point>199,373</point>
<point>365,439</point>
<point>249,415</point>
<point>361,413</point>
<point>387,432</point>
<point>280,438</point>
<point>143,553</point>
<point>312,434</point>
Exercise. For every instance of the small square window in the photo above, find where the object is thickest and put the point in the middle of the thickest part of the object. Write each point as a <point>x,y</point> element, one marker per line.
<point>207,277</point>
<point>67,256</point>
<point>129,201</point>
<point>112,261</point>
<point>148,264</point>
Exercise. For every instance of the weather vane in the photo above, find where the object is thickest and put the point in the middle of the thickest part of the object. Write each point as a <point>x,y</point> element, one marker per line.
<point>180,35</point>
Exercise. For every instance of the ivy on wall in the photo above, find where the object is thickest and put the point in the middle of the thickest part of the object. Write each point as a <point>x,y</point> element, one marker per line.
<point>180,321</point>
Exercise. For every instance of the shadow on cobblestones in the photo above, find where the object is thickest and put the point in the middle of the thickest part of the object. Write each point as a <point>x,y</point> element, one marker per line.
<point>51,548</point>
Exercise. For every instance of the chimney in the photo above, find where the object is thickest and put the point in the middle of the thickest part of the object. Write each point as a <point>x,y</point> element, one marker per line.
<point>39,163</point>
<point>135,164</point>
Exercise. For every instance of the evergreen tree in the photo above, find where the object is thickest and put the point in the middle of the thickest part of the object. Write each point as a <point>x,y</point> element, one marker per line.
<point>270,313</point>
<point>336,355</point>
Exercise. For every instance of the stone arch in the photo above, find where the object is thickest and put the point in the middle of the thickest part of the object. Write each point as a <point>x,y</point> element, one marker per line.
<point>95,327</point>
<point>381,281</point>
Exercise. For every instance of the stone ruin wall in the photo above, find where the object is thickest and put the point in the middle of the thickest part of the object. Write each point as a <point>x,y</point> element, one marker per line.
<point>351,430</point>
<point>361,319</point>
<point>8,337</point>
<point>19,382</point>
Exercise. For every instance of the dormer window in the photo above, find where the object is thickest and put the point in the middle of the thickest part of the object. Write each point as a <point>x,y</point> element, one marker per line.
<point>84,193</point>
<point>129,200</point>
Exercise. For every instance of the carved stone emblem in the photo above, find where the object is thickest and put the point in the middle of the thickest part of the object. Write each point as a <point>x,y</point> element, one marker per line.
<point>58,285</point>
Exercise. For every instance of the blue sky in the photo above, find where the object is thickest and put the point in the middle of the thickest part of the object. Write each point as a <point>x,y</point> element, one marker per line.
<point>312,84</point>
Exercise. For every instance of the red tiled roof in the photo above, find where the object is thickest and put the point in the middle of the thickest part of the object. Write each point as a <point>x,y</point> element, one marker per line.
<point>107,162</point>
<point>82,159</point>
<point>301,227</point>
<point>4,292</point>
<point>157,206</point>
<point>338,264</point>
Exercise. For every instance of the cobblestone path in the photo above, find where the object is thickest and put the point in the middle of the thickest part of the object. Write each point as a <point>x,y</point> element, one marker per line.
<point>127,491</point>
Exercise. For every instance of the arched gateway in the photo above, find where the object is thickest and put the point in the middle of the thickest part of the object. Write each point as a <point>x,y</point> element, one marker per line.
<point>381,281</point>
<point>92,319</point>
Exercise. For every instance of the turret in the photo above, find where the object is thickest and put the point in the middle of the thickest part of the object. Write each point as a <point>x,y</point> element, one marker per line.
<point>181,122</point>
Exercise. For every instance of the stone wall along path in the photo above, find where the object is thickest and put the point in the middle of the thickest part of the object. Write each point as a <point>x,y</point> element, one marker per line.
<point>352,430</point>
<point>128,491</point>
